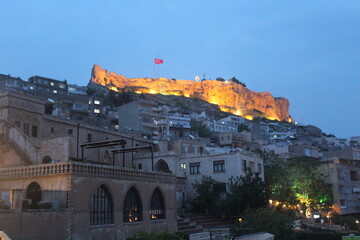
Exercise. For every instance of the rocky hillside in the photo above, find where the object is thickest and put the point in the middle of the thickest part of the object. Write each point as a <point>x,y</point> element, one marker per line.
<point>230,97</point>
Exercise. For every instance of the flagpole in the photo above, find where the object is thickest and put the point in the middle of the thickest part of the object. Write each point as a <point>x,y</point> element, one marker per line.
<point>154,70</point>
<point>158,65</point>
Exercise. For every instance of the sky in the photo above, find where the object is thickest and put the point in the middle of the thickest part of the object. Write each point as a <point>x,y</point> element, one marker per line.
<point>307,51</point>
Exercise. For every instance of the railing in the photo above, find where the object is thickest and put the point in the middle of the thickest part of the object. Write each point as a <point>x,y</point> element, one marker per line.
<point>85,169</point>
<point>4,236</point>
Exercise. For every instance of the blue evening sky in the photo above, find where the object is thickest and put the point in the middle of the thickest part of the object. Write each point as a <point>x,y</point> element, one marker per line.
<point>307,51</point>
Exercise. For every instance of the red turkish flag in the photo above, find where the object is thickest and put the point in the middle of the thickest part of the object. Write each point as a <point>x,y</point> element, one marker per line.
<point>159,61</point>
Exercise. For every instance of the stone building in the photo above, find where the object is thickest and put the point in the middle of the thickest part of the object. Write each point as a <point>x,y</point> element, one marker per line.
<point>344,176</point>
<point>63,180</point>
<point>145,117</point>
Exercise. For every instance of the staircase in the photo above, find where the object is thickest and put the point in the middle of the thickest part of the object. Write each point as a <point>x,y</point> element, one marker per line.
<point>186,227</point>
<point>196,224</point>
<point>209,222</point>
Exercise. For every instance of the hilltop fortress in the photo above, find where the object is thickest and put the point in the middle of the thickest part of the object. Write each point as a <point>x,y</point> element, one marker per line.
<point>229,96</point>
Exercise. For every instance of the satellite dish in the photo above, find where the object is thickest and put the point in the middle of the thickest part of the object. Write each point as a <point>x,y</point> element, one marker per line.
<point>197,78</point>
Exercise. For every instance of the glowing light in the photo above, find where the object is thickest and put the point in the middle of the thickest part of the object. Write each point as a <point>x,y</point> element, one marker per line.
<point>240,220</point>
<point>186,95</point>
<point>249,117</point>
<point>357,221</point>
<point>270,201</point>
<point>138,92</point>
<point>153,92</point>
<point>113,89</point>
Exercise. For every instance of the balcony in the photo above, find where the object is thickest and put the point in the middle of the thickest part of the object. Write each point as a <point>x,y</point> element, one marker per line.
<point>85,170</point>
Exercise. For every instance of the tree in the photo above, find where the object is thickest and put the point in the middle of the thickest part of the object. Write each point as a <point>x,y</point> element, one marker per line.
<point>90,91</point>
<point>201,128</point>
<point>277,182</point>
<point>243,127</point>
<point>274,221</point>
<point>296,181</point>
<point>307,184</point>
<point>220,79</point>
<point>245,192</point>
<point>235,80</point>
<point>206,195</point>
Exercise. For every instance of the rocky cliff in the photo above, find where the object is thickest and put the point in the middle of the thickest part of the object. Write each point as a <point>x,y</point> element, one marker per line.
<point>231,97</point>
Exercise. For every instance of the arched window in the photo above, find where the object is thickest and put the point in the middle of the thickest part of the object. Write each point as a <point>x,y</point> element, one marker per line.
<point>157,205</point>
<point>101,207</point>
<point>162,166</point>
<point>132,206</point>
<point>33,192</point>
<point>46,159</point>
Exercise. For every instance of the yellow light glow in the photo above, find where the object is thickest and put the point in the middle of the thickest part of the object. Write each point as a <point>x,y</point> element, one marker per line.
<point>114,89</point>
<point>240,220</point>
<point>272,118</point>
<point>186,95</point>
<point>249,117</point>
<point>238,113</point>
<point>270,201</point>
<point>138,92</point>
<point>153,92</point>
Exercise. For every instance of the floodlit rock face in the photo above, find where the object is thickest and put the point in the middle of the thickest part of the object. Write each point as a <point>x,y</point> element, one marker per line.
<point>231,97</point>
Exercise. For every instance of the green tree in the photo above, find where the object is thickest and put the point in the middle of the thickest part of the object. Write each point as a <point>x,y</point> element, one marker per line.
<point>277,181</point>
<point>245,192</point>
<point>90,91</point>
<point>220,79</point>
<point>201,128</point>
<point>235,80</point>
<point>307,183</point>
<point>243,127</point>
<point>274,221</point>
<point>206,195</point>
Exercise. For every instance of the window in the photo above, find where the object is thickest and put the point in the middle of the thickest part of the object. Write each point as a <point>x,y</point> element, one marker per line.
<point>55,91</point>
<point>219,166</point>
<point>243,165</point>
<point>259,169</point>
<point>34,131</point>
<point>101,207</point>
<point>26,128</point>
<point>196,149</point>
<point>46,159</point>
<point>97,111</point>
<point>186,148</point>
<point>52,84</point>
<point>61,85</point>
<point>96,102</point>
<point>182,166</point>
<point>52,130</point>
<point>195,168</point>
<point>132,206</point>
<point>89,137</point>
<point>33,193</point>
<point>70,131</point>
<point>139,166</point>
<point>353,175</point>
<point>157,205</point>
<point>17,123</point>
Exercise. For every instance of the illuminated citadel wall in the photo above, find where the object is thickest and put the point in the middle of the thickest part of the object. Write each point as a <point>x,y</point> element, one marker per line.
<point>229,96</point>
